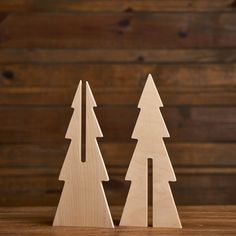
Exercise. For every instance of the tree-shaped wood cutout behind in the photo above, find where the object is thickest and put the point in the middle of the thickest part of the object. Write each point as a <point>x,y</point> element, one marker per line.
<point>150,129</point>
<point>83,201</point>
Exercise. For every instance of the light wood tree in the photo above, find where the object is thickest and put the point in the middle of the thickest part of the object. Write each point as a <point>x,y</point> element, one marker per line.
<point>83,201</point>
<point>150,129</point>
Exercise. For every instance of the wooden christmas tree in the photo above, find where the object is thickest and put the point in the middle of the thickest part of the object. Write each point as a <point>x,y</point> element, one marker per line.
<point>150,130</point>
<point>83,201</point>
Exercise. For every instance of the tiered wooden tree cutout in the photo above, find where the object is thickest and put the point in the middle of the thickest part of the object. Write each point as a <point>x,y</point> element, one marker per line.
<point>150,130</point>
<point>83,201</point>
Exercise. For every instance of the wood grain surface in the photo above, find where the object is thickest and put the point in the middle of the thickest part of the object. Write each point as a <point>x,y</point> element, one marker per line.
<point>117,6</point>
<point>197,220</point>
<point>47,47</point>
<point>117,84</point>
<point>83,201</point>
<point>111,30</point>
<point>146,157</point>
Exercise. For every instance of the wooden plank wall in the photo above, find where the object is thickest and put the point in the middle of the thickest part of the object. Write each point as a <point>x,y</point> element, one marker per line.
<point>46,47</point>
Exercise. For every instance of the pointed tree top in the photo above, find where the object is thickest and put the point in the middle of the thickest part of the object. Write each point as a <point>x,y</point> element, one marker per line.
<point>89,96</point>
<point>77,98</point>
<point>150,94</point>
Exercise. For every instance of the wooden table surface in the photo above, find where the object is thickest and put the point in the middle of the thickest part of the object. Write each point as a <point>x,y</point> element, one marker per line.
<point>196,220</point>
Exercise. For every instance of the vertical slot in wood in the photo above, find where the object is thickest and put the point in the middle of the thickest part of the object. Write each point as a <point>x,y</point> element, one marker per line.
<point>150,191</point>
<point>83,129</point>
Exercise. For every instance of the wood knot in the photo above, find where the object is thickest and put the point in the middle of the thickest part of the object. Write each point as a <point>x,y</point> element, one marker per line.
<point>9,75</point>
<point>233,4</point>
<point>183,34</point>
<point>141,59</point>
<point>124,23</point>
<point>3,16</point>
<point>129,9</point>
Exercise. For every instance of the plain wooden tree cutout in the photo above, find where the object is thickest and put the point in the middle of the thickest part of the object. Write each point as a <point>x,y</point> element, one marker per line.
<point>83,201</point>
<point>150,129</point>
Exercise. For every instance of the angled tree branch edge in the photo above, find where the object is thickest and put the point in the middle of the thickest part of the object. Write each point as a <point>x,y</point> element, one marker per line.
<point>150,129</point>
<point>83,201</point>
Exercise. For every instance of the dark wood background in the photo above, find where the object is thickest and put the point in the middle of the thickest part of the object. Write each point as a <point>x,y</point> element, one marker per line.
<point>46,47</point>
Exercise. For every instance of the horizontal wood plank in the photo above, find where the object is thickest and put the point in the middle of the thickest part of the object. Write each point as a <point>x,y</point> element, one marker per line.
<point>196,220</point>
<point>48,124</point>
<point>62,56</point>
<point>113,96</point>
<point>205,167</point>
<point>23,171</point>
<point>47,189</point>
<point>113,31</point>
<point>49,157</point>
<point>116,6</point>
<point>118,84</point>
